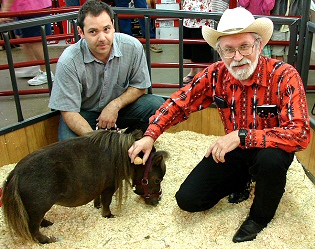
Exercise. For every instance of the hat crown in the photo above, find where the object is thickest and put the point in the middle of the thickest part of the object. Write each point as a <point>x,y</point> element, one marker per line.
<point>238,21</point>
<point>235,19</point>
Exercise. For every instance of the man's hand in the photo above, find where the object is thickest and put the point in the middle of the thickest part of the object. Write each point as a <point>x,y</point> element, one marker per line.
<point>108,116</point>
<point>145,145</point>
<point>223,145</point>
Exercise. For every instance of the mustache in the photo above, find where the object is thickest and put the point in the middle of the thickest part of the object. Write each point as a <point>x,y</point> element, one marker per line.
<point>240,63</point>
<point>103,43</point>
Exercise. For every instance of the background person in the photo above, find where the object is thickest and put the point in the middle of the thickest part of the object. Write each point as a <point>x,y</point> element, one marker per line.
<point>102,79</point>
<point>199,53</point>
<point>259,7</point>
<point>125,25</point>
<point>264,111</point>
<point>282,32</point>
<point>72,3</point>
<point>34,49</point>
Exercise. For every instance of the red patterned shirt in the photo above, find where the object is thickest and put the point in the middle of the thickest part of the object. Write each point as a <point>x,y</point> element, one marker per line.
<point>273,83</point>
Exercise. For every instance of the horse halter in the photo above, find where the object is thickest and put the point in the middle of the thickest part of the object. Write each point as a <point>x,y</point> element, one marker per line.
<point>145,181</point>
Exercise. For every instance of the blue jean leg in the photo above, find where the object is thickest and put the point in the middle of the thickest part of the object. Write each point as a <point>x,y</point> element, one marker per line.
<point>64,132</point>
<point>72,2</point>
<point>133,116</point>
<point>137,114</point>
<point>125,24</point>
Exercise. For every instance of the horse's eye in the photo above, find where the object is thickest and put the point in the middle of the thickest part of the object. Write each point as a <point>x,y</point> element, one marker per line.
<point>158,181</point>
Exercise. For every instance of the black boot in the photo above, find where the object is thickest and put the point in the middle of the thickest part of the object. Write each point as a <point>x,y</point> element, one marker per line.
<point>248,231</point>
<point>238,197</point>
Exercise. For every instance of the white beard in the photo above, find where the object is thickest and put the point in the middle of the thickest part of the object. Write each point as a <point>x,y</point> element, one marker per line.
<point>243,74</point>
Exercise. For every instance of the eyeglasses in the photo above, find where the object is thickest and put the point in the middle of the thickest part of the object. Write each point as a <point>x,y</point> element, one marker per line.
<point>244,50</point>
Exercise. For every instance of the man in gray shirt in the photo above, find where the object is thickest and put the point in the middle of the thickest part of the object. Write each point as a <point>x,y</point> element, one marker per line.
<point>101,80</point>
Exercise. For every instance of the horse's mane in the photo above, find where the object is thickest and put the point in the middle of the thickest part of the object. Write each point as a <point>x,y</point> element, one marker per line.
<point>116,146</point>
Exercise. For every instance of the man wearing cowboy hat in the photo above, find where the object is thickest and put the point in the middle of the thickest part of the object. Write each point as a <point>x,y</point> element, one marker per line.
<point>263,108</point>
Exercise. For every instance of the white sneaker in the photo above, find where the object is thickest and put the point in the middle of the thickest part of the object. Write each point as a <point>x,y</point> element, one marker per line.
<point>26,72</point>
<point>156,48</point>
<point>40,79</point>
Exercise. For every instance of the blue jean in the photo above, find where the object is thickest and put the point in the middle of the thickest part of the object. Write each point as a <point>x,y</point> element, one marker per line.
<point>125,24</point>
<point>209,181</point>
<point>133,116</point>
<point>72,3</point>
<point>31,31</point>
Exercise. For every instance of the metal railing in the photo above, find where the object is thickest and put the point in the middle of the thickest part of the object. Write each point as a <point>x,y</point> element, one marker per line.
<point>295,44</point>
<point>310,30</point>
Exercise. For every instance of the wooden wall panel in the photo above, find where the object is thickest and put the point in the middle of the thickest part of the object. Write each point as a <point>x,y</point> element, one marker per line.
<point>36,136</point>
<point>212,124</point>
<point>4,154</point>
<point>207,122</point>
<point>307,157</point>
<point>17,146</point>
<point>51,129</point>
<point>193,123</point>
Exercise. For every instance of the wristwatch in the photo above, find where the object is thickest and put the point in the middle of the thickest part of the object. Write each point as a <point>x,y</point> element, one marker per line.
<point>242,133</point>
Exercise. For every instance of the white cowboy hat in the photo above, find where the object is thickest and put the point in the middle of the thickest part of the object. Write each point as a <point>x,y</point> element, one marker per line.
<point>238,20</point>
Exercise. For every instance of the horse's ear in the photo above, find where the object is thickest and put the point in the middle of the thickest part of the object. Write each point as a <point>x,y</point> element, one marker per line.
<point>163,167</point>
<point>160,156</point>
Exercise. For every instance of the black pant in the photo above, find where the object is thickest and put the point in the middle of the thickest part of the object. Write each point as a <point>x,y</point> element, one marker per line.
<point>209,181</point>
<point>197,52</point>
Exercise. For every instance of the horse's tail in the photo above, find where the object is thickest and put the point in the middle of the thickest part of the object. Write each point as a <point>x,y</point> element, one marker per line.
<point>14,211</point>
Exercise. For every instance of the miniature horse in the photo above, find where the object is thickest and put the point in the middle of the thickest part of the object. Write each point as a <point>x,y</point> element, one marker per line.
<point>71,173</point>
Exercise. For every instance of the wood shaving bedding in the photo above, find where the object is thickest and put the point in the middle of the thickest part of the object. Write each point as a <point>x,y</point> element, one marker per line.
<point>166,226</point>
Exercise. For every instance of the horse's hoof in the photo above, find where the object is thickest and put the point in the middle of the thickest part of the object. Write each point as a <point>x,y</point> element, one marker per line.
<point>52,239</point>
<point>110,215</point>
<point>46,240</point>
<point>46,223</point>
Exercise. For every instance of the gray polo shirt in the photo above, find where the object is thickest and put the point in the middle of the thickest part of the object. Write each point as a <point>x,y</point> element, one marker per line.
<point>82,82</point>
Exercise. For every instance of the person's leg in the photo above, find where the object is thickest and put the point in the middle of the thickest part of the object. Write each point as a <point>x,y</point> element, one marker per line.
<point>202,53</point>
<point>124,24</point>
<point>286,49</point>
<point>209,181</point>
<point>269,171</point>
<point>156,48</point>
<point>278,51</point>
<point>270,178</point>
<point>142,25</point>
<point>144,4</point>
<point>196,52</point>
<point>137,114</point>
<point>35,49</point>
<point>187,54</point>
<point>64,132</point>
<point>30,71</point>
<point>72,3</point>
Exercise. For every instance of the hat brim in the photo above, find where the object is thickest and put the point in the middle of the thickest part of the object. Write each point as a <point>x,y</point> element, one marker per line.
<point>262,26</point>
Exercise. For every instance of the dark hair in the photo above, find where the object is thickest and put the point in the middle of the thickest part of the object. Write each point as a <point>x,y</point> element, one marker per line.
<point>94,8</point>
